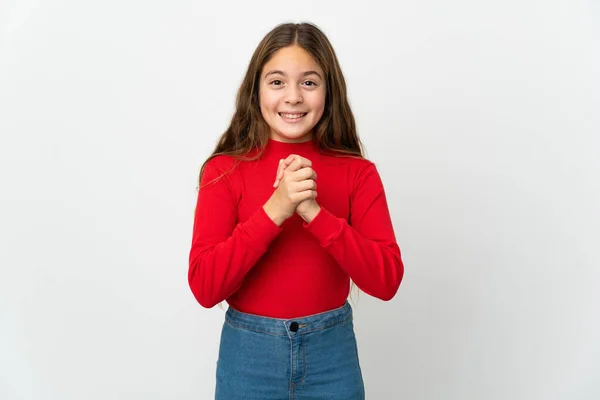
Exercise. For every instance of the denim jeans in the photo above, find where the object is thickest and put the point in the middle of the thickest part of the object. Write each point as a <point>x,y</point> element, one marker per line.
<point>311,357</point>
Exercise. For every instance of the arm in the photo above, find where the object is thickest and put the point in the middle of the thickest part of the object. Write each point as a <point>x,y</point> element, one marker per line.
<point>222,250</point>
<point>366,248</point>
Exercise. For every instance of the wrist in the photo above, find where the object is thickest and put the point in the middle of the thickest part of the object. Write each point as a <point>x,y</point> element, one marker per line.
<point>273,212</point>
<point>310,213</point>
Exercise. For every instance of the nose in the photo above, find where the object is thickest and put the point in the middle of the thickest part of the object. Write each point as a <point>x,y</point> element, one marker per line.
<point>293,95</point>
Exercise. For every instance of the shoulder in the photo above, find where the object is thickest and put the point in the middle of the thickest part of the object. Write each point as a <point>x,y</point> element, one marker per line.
<point>362,165</point>
<point>363,176</point>
<point>223,165</point>
<point>221,162</point>
<point>360,173</point>
<point>354,165</point>
<point>218,169</point>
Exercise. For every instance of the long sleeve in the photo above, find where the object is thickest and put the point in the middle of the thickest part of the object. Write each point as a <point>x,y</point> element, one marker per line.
<point>222,250</point>
<point>366,248</point>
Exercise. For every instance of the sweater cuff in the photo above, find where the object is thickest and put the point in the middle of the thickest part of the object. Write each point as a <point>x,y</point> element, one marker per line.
<point>325,226</point>
<point>261,229</point>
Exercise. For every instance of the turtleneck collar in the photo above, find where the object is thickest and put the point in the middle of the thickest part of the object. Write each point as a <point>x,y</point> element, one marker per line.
<point>279,149</point>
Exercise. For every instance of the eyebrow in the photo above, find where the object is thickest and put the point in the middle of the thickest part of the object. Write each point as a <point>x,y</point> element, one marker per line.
<point>283,73</point>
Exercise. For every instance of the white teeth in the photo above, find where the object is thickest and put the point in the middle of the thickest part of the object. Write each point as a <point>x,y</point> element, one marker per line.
<point>292,116</point>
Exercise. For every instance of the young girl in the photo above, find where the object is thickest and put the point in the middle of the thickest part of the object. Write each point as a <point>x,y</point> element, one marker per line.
<point>281,256</point>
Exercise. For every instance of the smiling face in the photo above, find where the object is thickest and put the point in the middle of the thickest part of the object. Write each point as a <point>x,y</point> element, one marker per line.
<point>292,94</point>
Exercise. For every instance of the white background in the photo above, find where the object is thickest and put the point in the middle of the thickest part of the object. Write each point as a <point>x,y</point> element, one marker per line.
<point>483,118</point>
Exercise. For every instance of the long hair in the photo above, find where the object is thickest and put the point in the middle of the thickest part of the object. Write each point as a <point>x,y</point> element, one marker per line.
<point>336,130</point>
<point>335,133</point>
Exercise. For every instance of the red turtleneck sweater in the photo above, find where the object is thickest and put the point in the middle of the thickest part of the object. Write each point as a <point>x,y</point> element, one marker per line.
<point>240,255</point>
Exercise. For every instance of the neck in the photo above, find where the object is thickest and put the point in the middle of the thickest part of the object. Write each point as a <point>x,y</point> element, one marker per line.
<point>279,149</point>
<point>278,138</point>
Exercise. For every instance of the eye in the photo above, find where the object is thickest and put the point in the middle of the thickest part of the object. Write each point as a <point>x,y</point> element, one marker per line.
<point>311,83</point>
<point>277,82</point>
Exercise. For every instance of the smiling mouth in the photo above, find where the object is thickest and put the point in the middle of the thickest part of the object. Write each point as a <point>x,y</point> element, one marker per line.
<point>292,116</point>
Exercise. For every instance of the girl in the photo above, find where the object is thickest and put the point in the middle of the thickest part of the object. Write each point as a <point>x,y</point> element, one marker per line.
<point>279,255</point>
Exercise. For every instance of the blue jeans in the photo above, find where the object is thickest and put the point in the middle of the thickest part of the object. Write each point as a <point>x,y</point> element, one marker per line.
<point>312,357</point>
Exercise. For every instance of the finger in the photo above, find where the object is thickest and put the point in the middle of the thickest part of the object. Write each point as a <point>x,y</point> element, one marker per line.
<point>285,163</point>
<point>295,165</point>
<point>306,195</point>
<point>276,183</point>
<point>283,166</point>
<point>305,161</point>
<point>290,158</point>
<point>308,184</point>
<point>303,174</point>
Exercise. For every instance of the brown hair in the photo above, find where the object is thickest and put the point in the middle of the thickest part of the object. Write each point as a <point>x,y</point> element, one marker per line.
<point>336,130</point>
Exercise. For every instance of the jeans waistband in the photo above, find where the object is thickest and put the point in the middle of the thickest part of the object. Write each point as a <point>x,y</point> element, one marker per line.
<point>289,327</point>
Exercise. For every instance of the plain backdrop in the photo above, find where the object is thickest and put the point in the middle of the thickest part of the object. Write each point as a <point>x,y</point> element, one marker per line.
<point>482,117</point>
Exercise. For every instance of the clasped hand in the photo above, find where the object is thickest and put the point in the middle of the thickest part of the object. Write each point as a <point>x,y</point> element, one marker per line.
<point>296,179</point>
